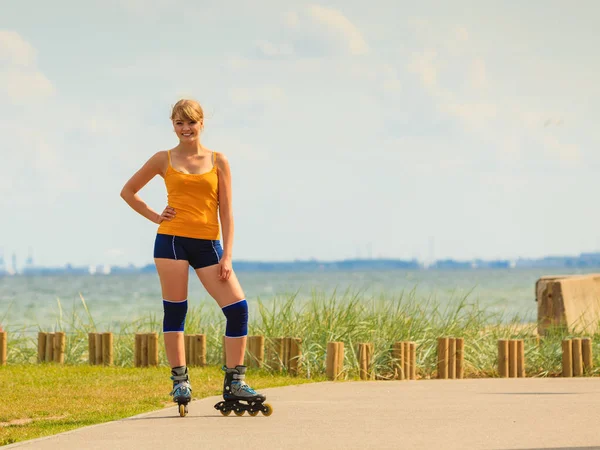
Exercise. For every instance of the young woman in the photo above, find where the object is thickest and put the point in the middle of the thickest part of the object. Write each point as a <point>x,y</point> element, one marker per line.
<point>198,183</point>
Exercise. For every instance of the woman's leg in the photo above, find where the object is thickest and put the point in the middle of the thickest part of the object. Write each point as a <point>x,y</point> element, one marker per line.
<point>225,293</point>
<point>173,276</point>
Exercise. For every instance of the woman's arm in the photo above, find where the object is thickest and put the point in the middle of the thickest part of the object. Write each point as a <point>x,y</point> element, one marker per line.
<point>225,213</point>
<point>152,167</point>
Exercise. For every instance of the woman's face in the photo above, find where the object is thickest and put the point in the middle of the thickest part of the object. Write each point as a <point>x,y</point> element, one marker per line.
<point>187,130</point>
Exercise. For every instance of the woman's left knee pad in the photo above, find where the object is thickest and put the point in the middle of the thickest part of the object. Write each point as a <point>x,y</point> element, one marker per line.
<point>237,319</point>
<point>174,319</point>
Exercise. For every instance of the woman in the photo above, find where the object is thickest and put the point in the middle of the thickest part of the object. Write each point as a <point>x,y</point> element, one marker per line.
<point>198,183</point>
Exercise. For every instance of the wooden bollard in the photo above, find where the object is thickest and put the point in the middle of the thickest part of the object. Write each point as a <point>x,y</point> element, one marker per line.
<point>41,346</point>
<point>152,349</point>
<point>195,349</point>
<point>256,351</point>
<point>294,355</point>
<point>442,352</point>
<point>92,348</point>
<point>511,358</point>
<point>3,347</point>
<point>49,347</point>
<point>145,350</point>
<point>107,349</point>
<point>60,342</point>
<point>275,354</point>
<point>576,357</point>
<point>335,360</point>
<point>404,360</point>
<point>365,355</point>
<point>450,358</point>
<point>586,348</point>
<point>100,348</point>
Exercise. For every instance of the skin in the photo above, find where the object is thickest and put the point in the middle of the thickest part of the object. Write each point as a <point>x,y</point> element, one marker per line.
<point>219,280</point>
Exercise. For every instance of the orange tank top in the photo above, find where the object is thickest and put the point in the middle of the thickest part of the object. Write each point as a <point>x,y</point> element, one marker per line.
<point>195,200</point>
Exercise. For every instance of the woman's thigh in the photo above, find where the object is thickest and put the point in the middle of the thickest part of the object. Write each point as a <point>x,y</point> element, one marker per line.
<point>173,276</point>
<point>225,292</point>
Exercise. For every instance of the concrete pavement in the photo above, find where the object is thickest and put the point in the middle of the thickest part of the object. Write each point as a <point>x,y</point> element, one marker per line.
<point>522,413</point>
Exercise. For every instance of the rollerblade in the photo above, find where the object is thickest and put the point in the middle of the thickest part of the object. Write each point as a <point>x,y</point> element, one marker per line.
<point>182,390</point>
<point>239,397</point>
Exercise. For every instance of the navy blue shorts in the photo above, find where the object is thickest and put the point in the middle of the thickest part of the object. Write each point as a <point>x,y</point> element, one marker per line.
<point>198,252</point>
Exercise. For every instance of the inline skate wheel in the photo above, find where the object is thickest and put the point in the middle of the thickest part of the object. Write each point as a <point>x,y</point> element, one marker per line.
<point>253,413</point>
<point>182,410</point>
<point>225,413</point>
<point>239,412</point>
<point>267,409</point>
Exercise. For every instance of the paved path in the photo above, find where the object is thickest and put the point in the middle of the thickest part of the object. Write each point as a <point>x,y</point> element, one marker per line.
<point>426,414</point>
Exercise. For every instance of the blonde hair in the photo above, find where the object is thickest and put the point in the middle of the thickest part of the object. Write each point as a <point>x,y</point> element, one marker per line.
<point>186,109</point>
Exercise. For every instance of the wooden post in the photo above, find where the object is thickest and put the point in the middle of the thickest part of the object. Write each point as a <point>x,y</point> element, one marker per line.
<point>335,360</point>
<point>153,349</point>
<point>503,358</point>
<point>365,353</point>
<point>512,358</point>
<point>567,358</point>
<point>443,345</point>
<point>398,360</point>
<point>191,362</point>
<point>586,347</point>
<point>99,355</point>
<point>295,356</point>
<point>92,348</point>
<point>407,361</point>
<point>200,349</point>
<point>145,350</point>
<point>41,346</point>
<point>107,348</point>
<point>138,350</point>
<point>287,343</point>
<point>452,358</point>
<point>577,357</point>
<point>413,360</point>
<point>275,354</point>
<point>3,347</point>
<point>49,347</point>
<point>460,358</point>
<point>256,351</point>
<point>521,358</point>
<point>60,342</point>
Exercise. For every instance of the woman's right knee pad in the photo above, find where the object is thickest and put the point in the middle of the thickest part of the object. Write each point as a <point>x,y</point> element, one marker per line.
<point>237,319</point>
<point>174,319</point>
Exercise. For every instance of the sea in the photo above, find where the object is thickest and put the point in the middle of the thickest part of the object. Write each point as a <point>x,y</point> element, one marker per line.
<point>29,303</point>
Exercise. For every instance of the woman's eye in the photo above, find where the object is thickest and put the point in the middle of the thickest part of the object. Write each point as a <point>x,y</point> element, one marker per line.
<point>193,122</point>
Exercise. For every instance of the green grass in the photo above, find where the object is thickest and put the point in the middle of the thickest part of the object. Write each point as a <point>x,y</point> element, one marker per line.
<point>349,317</point>
<point>45,399</point>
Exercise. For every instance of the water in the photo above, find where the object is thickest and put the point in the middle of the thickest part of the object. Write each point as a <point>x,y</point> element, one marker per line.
<point>32,302</point>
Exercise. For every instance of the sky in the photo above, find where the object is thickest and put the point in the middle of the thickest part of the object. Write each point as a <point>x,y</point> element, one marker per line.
<point>390,129</point>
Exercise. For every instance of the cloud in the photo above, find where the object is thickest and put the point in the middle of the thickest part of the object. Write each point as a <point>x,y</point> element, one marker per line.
<point>342,26</point>
<point>425,66</point>
<point>271,50</point>
<point>20,79</point>
<point>477,75</point>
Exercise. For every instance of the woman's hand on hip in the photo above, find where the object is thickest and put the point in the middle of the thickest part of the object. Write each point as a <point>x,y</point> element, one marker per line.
<point>225,269</point>
<point>167,214</point>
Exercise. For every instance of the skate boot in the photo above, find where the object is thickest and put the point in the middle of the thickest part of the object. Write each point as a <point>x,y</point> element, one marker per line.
<point>182,390</point>
<point>239,397</point>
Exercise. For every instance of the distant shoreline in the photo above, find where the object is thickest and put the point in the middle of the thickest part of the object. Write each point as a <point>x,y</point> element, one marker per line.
<point>554,263</point>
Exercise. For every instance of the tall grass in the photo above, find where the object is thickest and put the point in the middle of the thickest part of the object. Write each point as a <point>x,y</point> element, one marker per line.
<point>351,317</point>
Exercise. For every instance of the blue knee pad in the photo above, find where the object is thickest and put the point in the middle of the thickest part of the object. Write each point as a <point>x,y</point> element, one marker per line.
<point>237,319</point>
<point>174,319</point>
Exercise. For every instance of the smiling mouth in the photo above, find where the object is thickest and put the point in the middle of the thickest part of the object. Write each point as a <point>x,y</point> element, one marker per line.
<point>186,135</point>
